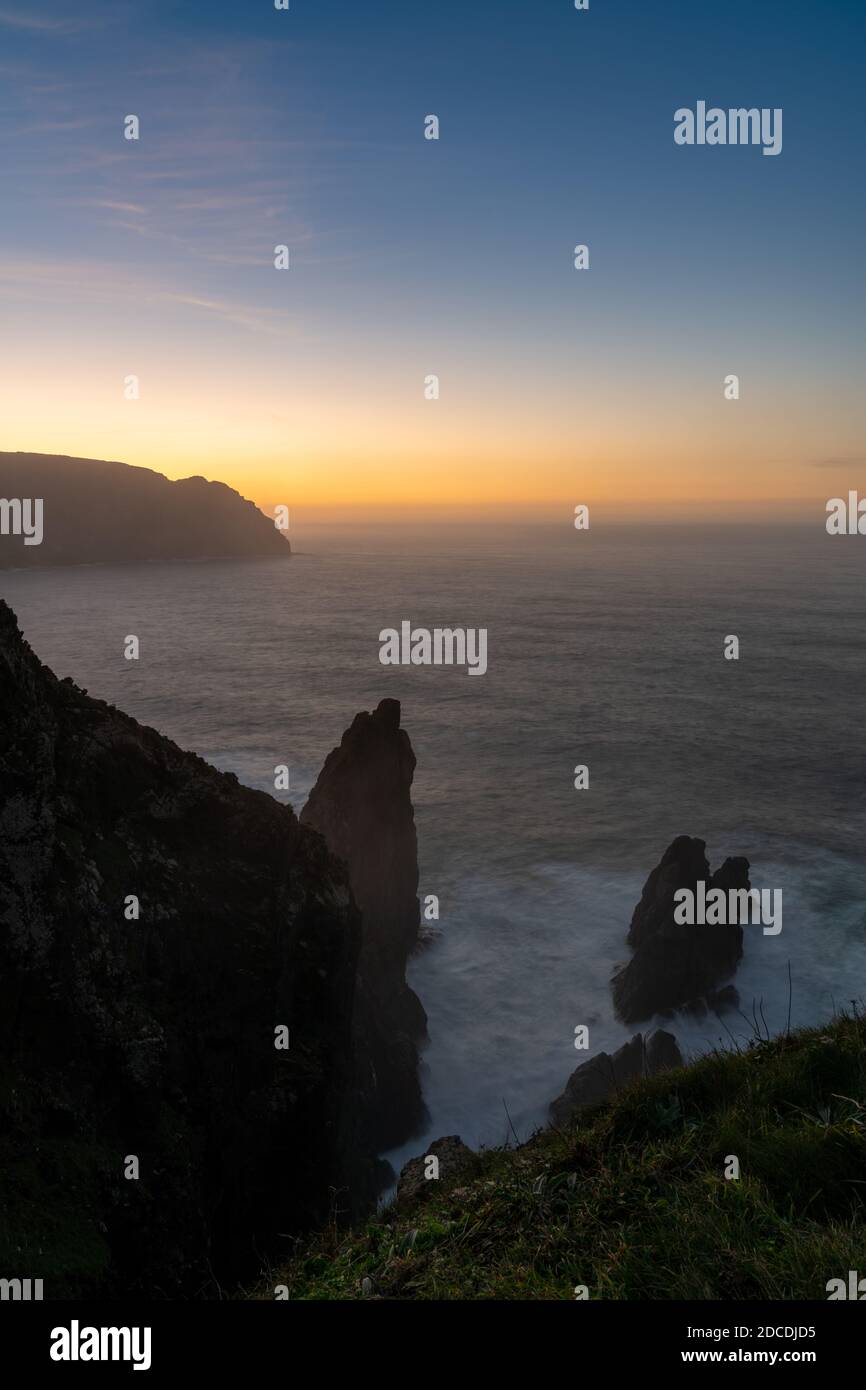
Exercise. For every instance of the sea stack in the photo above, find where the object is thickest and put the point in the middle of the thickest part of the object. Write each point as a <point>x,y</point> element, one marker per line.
<point>675,964</point>
<point>362,806</point>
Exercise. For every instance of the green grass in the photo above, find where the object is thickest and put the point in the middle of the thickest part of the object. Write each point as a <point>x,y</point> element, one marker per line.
<point>632,1200</point>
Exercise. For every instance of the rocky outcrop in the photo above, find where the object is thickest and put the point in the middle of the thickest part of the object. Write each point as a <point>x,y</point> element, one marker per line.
<point>419,1178</point>
<point>676,964</point>
<point>361,805</point>
<point>159,925</point>
<point>97,512</point>
<point>598,1080</point>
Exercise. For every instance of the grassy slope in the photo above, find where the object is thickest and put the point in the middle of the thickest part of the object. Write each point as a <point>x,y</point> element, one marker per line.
<point>632,1201</point>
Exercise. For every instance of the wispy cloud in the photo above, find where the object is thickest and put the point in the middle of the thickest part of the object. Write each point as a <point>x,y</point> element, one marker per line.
<point>252,319</point>
<point>838,463</point>
<point>115,207</point>
<point>57,127</point>
<point>91,282</point>
<point>41,24</point>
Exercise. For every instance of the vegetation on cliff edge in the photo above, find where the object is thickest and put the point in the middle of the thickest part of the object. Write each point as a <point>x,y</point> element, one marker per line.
<point>632,1201</point>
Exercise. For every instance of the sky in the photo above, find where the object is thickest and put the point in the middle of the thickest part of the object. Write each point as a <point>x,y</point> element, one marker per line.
<point>412,257</point>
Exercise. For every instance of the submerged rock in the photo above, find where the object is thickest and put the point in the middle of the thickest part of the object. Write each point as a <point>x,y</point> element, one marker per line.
<point>597,1080</point>
<point>676,964</point>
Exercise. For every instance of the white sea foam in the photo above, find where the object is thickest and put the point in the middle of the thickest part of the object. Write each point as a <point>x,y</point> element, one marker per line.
<point>611,656</point>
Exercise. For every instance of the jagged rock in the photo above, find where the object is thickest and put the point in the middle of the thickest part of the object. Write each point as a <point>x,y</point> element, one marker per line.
<point>156,1037</point>
<point>681,865</point>
<point>676,964</point>
<point>361,805</point>
<point>99,512</point>
<point>597,1080</point>
<point>456,1160</point>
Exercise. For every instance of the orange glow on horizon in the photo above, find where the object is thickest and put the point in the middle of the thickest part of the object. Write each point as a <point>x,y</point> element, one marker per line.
<point>369,444</point>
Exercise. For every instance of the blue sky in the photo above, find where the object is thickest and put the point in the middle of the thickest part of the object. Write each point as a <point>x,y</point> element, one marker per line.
<point>305,127</point>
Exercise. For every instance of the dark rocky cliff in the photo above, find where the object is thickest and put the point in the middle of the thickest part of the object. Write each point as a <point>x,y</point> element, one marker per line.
<point>362,806</point>
<point>156,1037</point>
<point>99,512</point>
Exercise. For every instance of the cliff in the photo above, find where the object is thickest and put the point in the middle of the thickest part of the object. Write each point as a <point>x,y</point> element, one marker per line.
<point>362,806</point>
<point>97,512</point>
<point>151,1036</point>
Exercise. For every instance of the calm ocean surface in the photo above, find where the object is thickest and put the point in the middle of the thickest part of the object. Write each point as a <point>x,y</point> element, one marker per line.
<point>605,648</point>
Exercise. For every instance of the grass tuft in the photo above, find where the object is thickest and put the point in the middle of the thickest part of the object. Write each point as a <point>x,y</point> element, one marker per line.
<point>632,1200</point>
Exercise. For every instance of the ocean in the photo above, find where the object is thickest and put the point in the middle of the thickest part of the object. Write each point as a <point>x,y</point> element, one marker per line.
<point>605,648</point>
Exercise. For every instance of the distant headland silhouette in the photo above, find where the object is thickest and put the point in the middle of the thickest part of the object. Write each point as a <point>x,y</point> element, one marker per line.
<point>98,512</point>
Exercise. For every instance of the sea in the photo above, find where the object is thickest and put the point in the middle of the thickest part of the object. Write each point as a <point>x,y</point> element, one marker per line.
<point>606,649</point>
